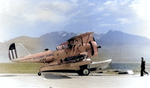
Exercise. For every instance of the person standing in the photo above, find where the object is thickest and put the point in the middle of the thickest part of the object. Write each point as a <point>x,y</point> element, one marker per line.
<point>143,67</point>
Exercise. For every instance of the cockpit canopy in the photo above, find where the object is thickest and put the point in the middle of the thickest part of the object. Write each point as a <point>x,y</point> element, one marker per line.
<point>62,46</point>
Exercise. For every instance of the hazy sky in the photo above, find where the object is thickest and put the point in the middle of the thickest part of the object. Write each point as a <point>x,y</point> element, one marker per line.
<point>36,17</point>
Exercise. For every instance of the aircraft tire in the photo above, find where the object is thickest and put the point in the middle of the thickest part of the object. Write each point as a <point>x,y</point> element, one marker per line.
<point>39,73</point>
<point>84,72</point>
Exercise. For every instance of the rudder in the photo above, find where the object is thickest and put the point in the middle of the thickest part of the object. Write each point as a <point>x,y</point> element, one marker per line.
<point>17,50</point>
<point>12,51</point>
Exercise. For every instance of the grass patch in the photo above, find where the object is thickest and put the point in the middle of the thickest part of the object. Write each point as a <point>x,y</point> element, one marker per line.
<point>20,67</point>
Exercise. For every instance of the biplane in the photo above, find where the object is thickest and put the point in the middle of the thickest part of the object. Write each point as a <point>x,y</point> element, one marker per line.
<point>71,56</point>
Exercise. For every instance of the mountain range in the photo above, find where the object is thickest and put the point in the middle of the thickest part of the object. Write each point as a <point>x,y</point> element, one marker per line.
<point>116,45</point>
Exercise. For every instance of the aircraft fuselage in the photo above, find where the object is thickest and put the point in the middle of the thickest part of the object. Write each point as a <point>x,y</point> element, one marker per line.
<point>58,55</point>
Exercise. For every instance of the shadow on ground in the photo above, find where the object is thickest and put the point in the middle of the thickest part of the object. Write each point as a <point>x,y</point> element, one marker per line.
<point>48,75</point>
<point>55,76</point>
<point>7,75</point>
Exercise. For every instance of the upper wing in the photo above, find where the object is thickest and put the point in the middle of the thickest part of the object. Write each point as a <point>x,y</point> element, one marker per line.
<point>80,39</point>
<point>83,37</point>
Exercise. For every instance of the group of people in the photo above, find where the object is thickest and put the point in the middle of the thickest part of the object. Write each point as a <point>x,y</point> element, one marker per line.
<point>143,67</point>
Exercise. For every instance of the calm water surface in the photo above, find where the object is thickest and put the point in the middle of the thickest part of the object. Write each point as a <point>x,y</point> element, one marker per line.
<point>129,66</point>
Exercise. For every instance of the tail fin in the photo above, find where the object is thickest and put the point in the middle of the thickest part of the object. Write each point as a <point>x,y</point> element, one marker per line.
<point>17,50</point>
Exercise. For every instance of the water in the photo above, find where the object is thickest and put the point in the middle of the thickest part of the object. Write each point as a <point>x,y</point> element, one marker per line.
<point>129,66</point>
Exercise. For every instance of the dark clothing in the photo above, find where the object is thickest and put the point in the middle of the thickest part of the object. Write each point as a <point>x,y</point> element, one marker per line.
<point>143,68</point>
<point>142,65</point>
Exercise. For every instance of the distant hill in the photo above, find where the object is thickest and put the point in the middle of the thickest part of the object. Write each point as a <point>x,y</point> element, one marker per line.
<point>120,38</point>
<point>119,46</point>
<point>123,47</point>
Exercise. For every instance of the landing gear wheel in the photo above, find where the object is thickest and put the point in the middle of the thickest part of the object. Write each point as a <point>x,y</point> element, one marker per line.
<point>84,72</point>
<point>39,73</point>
